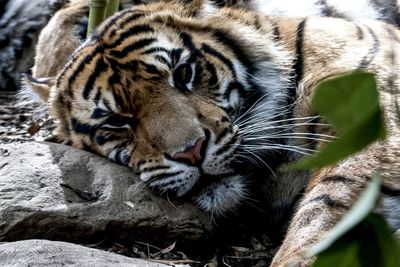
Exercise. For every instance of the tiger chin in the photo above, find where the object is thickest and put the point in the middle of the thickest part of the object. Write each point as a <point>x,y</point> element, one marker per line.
<point>202,102</point>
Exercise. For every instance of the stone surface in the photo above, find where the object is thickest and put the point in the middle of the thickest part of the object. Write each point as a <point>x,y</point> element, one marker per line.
<point>99,200</point>
<point>55,253</point>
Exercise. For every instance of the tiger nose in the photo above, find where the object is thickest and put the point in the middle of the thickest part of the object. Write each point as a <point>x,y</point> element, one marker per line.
<point>191,155</point>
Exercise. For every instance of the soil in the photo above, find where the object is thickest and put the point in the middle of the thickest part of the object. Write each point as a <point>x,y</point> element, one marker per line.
<point>16,122</point>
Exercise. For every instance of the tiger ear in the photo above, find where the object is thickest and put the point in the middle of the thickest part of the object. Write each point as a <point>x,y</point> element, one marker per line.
<point>37,87</point>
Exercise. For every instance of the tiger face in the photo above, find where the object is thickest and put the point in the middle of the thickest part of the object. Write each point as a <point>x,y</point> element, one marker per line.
<point>163,90</point>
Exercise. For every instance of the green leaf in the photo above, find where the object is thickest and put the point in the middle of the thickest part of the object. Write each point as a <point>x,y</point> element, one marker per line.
<point>388,244</point>
<point>358,240</point>
<point>351,104</point>
<point>340,255</point>
<point>369,244</point>
<point>357,213</point>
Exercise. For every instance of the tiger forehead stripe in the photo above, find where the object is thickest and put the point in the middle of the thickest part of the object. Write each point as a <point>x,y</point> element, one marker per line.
<point>209,50</point>
<point>101,66</point>
<point>121,19</point>
<point>132,47</point>
<point>124,16</point>
<point>135,30</point>
<point>81,65</point>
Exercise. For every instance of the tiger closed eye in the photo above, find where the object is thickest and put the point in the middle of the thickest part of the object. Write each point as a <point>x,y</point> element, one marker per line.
<point>117,121</point>
<point>182,75</point>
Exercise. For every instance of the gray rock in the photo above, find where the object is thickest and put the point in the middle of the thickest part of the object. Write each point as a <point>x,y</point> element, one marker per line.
<point>99,200</point>
<point>55,253</point>
<point>20,24</point>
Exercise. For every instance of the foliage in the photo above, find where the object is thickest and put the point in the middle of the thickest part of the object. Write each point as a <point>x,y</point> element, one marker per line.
<point>360,238</point>
<point>351,104</point>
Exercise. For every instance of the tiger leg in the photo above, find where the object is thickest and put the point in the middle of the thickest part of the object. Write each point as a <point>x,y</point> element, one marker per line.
<point>329,195</point>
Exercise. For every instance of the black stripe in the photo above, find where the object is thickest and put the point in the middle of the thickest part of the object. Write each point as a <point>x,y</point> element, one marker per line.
<point>176,55</point>
<point>112,81</point>
<point>227,40</point>
<point>163,60</point>
<point>388,9</point>
<point>133,15</point>
<point>329,11</point>
<point>224,133</point>
<point>101,66</point>
<point>138,29</point>
<point>68,104</point>
<point>207,49</point>
<point>99,113</point>
<point>197,74</point>
<point>169,183</point>
<point>82,128</point>
<point>85,61</point>
<point>114,129</point>
<point>131,66</point>
<point>337,179</point>
<point>188,43</point>
<point>328,201</point>
<point>96,98</point>
<point>227,146</point>
<point>275,28</point>
<point>392,33</point>
<point>213,80</point>
<point>372,51</point>
<point>325,12</point>
<point>101,139</point>
<point>155,50</point>
<point>163,175</point>
<point>141,162</point>
<point>132,47</point>
<point>150,68</point>
<point>393,192</point>
<point>360,33</point>
<point>298,65</point>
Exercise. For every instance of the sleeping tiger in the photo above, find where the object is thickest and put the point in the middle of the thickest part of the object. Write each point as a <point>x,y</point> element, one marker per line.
<point>207,104</point>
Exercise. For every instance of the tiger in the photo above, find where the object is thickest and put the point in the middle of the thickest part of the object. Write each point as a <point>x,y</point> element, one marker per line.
<point>207,104</point>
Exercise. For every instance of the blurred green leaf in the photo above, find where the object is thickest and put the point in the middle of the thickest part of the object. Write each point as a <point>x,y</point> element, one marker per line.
<point>369,244</point>
<point>359,239</point>
<point>389,246</point>
<point>357,213</point>
<point>340,255</point>
<point>351,104</point>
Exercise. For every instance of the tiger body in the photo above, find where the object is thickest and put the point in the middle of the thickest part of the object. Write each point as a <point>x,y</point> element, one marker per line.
<point>202,102</point>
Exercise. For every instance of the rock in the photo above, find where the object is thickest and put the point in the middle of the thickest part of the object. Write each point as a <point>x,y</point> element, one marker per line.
<point>56,192</point>
<point>20,24</point>
<point>55,253</point>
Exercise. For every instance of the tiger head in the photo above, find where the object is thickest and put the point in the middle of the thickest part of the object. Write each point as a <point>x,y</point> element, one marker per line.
<point>180,93</point>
